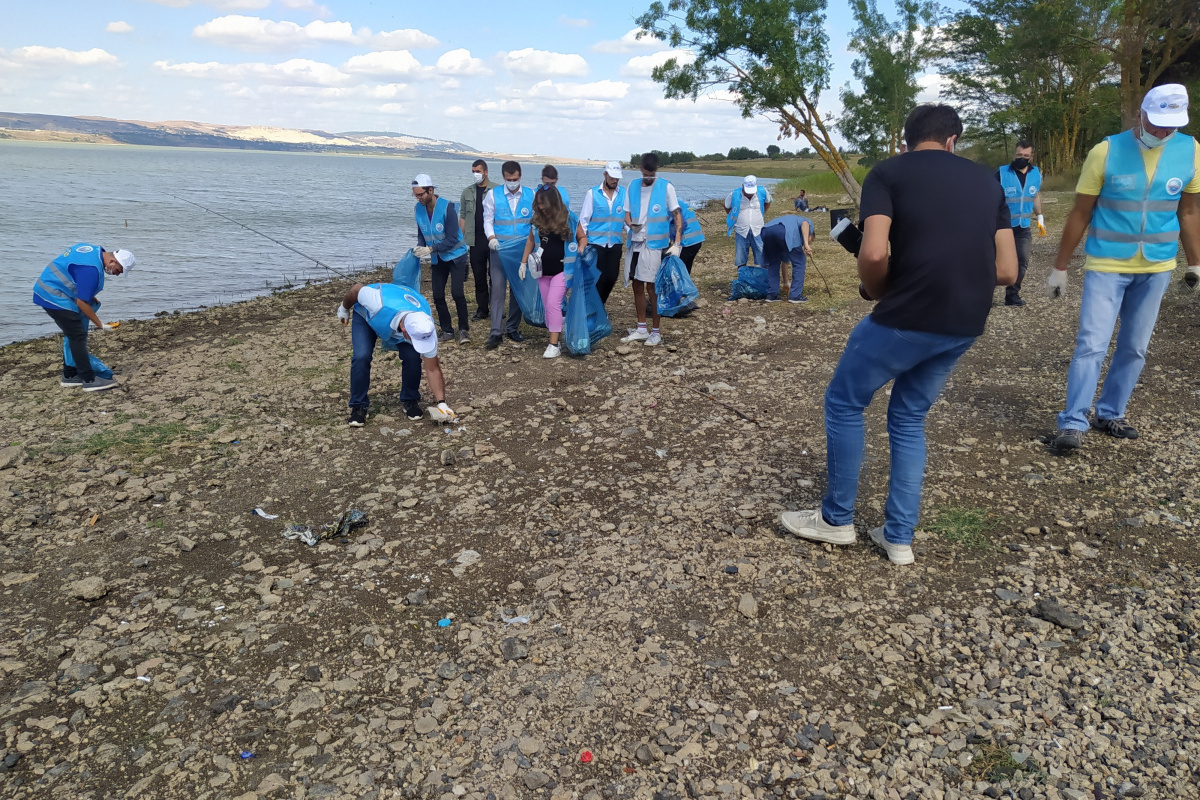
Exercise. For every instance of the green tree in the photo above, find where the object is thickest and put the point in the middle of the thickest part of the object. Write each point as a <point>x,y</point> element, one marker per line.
<point>772,150</point>
<point>771,55</point>
<point>891,56</point>
<point>1148,38</point>
<point>743,154</point>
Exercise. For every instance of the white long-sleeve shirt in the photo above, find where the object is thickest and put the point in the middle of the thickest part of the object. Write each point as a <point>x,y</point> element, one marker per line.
<point>489,209</point>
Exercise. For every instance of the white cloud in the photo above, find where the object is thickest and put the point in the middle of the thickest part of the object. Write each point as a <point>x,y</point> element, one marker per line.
<point>311,6</point>
<point>36,55</point>
<point>222,5</point>
<point>405,39</point>
<point>629,43</point>
<point>461,64</point>
<point>255,33</point>
<point>574,22</point>
<point>389,91</point>
<point>295,72</point>
<point>641,66</point>
<point>386,64</point>
<point>932,86</point>
<point>118,27</point>
<point>598,90</point>
<point>543,63</point>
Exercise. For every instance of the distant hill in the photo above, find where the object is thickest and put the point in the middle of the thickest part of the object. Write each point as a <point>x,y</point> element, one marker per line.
<point>237,137</point>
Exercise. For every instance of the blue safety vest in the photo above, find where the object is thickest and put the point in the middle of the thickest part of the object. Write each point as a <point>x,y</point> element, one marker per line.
<point>434,230</point>
<point>504,223</point>
<point>1020,198</point>
<point>566,198</point>
<point>691,226</point>
<point>396,300</point>
<point>658,217</point>
<point>735,207</point>
<point>1134,213</point>
<point>605,227</point>
<point>55,285</point>
<point>571,245</point>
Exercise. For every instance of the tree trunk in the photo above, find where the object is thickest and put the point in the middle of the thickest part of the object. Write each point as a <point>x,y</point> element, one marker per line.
<point>808,123</point>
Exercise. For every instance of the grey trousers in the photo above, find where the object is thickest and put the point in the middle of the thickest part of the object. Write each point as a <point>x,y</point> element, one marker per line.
<point>1024,241</point>
<point>499,289</point>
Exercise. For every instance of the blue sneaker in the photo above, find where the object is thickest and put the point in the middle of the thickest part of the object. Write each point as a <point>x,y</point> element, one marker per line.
<point>798,300</point>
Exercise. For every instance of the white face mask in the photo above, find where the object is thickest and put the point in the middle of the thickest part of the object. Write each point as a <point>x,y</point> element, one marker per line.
<point>478,176</point>
<point>1150,141</point>
<point>512,186</point>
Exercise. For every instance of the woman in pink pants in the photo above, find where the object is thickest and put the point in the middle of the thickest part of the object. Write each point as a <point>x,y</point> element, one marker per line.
<point>551,219</point>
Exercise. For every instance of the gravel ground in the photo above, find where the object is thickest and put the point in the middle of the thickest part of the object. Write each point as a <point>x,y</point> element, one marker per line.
<point>581,591</point>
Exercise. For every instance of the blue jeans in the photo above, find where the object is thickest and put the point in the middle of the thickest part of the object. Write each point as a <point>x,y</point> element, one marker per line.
<point>364,338</point>
<point>743,245</point>
<point>1134,298</point>
<point>919,363</point>
<point>796,257</point>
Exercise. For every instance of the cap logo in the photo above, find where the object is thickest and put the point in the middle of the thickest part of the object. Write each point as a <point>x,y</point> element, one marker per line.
<point>87,248</point>
<point>1174,186</point>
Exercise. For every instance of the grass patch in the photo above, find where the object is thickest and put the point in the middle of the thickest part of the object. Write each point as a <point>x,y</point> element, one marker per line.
<point>140,440</point>
<point>965,526</point>
<point>994,763</point>
<point>235,366</point>
<point>817,183</point>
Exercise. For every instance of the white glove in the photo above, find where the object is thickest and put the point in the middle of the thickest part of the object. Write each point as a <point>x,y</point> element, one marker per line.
<point>1057,285</point>
<point>442,413</point>
<point>494,244</point>
<point>522,272</point>
<point>422,253</point>
<point>1191,277</point>
<point>343,314</point>
<point>103,327</point>
<point>674,250</point>
<point>109,326</point>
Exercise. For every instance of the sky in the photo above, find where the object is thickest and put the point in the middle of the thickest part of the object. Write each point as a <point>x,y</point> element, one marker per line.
<point>551,78</point>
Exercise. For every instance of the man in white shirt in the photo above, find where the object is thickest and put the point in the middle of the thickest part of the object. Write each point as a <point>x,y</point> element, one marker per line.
<point>515,194</point>
<point>602,225</point>
<point>747,215</point>
<point>651,204</point>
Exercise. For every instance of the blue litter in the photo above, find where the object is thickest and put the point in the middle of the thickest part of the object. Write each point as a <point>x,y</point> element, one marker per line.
<point>444,623</point>
<point>246,754</point>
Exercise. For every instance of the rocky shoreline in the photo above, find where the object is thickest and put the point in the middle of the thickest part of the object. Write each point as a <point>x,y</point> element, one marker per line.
<point>581,591</point>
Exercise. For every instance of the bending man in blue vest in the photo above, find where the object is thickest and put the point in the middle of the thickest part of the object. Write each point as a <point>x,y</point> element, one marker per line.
<point>787,237</point>
<point>652,204</point>
<point>399,317</point>
<point>1022,184</point>
<point>440,242</point>
<point>507,214</point>
<point>67,290</point>
<point>1137,200</point>
<point>747,214</point>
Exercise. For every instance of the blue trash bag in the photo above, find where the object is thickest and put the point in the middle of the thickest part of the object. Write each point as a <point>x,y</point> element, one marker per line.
<point>98,366</point>
<point>407,271</point>
<point>751,284</point>
<point>526,291</point>
<point>674,287</point>
<point>585,320</point>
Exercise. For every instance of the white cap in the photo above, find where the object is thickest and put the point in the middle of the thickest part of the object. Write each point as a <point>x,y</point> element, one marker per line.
<point>422,181</point>
<point>1166,106</point>
<point>125,259</point>
<point>613,169</point>
<point>418,327</point>
<point>749,183</point>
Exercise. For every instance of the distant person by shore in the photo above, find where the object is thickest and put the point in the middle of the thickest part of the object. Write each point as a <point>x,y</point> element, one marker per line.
<point>800,201</point>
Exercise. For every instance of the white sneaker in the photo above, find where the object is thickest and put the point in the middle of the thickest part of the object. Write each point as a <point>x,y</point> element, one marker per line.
<point>552,351</point>
<point>655,338</point>
<point>811,525</point>
<point>897,553</point>
<point>637,336</point>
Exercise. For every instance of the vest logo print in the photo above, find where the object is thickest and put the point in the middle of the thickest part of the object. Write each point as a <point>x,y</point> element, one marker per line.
<point>1010,192</point>
<point>1124,183</point>
<point>439,227</point>
<point>414,300</point>
<point>1032,190</point>
<point>619,209</point>
<point>1174,186</point>
<point>87,248</point>
<point>573,247</point>
<point>656,208</point>
<point>524,212</point>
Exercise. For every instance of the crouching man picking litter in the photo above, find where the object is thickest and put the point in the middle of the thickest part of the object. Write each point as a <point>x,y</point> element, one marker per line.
<point>399,316</point>
<point>946,259</point>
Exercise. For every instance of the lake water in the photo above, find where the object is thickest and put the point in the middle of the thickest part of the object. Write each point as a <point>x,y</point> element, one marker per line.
<point>351,212</point>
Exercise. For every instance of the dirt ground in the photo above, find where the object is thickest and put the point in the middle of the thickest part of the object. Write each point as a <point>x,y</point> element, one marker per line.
<point>581,589</point>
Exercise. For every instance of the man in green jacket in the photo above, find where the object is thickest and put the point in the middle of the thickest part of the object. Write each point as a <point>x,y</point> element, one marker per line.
<point>470,222</point>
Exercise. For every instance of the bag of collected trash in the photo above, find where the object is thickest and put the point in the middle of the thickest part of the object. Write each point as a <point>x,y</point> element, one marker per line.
<point>407,271</point>
<point>751,284</point>
<point>674,287</point>
<point>98,366</point>
<point>525,291</point>
<point>585,320</point>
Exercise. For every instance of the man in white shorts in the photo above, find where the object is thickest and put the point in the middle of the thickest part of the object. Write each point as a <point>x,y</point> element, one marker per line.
<point>650,206</point>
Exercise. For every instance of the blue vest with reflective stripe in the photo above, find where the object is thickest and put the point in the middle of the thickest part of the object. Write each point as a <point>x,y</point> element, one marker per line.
<point>571,245</point>
<point>566,198</point>
<point>55,286</point>
<point>658,218</point>
<point>735,207</point>
<point>1020,198</point>
<point>1134,213</point>
<point>504,224</point>
<point>396,300</point>
<point>434,230</point>
<point>605,227</point>
<point>691,226</point>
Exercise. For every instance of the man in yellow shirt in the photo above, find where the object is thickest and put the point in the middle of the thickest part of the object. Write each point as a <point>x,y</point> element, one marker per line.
<point>1137,199</point>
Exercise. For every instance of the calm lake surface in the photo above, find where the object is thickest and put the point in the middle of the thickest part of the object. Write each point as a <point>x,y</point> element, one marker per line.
<point>351,212</point>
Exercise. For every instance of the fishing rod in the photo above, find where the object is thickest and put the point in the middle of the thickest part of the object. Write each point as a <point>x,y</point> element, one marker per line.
<point>265,236</point>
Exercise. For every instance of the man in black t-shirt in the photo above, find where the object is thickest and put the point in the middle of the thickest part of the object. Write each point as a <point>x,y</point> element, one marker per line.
<point>951,245</point>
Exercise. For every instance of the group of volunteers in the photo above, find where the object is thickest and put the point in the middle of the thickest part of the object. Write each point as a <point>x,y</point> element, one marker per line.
<point>939,233</point>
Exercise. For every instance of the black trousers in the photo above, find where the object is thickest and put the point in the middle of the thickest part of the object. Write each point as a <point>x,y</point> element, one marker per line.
<point>456,272</point>
<point>689,255</point>
<point>479,269</point>
<point>1024,237</point>
<point>74,326</point>
<point>608,261</point>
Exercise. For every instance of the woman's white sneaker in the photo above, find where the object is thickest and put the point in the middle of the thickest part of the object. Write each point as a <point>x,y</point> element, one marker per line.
<point>811,525</point>
<point>897,553</point>
<point>552,351</point>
